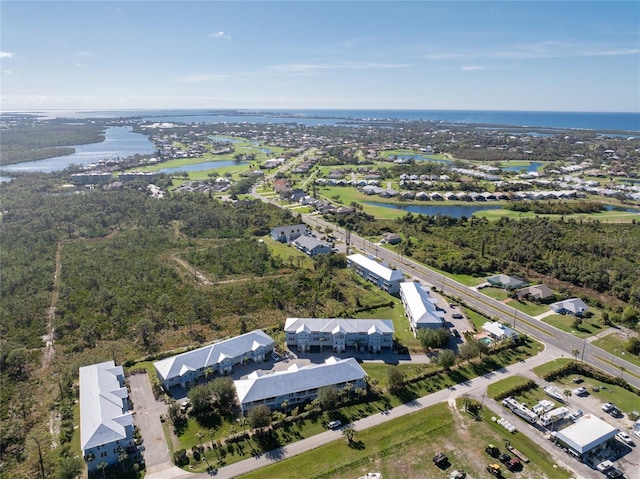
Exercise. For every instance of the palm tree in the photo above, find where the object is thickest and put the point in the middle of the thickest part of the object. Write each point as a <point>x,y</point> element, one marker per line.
<point>349,432</point>
<point>122,457</point>
<point>103,466</point>
<point>575,353</point>
<point>285,405</point>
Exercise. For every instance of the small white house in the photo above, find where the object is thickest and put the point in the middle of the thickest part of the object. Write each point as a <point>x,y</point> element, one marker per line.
<point>499,331</point>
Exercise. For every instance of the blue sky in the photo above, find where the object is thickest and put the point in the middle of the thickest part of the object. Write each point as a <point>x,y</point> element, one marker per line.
<point>502,55</point>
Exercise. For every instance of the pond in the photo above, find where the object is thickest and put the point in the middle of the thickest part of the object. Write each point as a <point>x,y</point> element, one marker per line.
<point>529,169</point>
<point>455,211</point>
<point>119,142</point>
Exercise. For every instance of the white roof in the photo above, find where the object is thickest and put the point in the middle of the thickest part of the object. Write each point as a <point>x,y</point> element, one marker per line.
<point>420,304</point>
<point>376,268</point>
<point>294,379</point>
<point>211,355</point>
<point>329,325</point>
<point>102,419</point>
<point>587,433</point>
<point>498,329</point>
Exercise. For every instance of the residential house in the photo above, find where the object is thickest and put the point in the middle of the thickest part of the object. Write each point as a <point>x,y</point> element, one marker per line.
<point>499,331</point>
<point>311,246</point>
<point>574,306</point>
<point>420,307</point>
<point>298,385</point>
<point>184,369</point>
<point>392,238</point>
<point>538,291</point>
<point>506,281</point>
<point>371,335</point>
<point>286,234</point>
<point>106,423</point>
<point>382,276</point>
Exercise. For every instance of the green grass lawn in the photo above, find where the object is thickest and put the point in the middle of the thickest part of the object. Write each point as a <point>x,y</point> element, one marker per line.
<point>400,322</point>
<point>587,328</point>
<point>498,387</point>
<point>476,319</point>
<point>496,293</point>
<point>614,344</point>
<point>603,216</point>
<point>529,307</point>
<point>405,447</point>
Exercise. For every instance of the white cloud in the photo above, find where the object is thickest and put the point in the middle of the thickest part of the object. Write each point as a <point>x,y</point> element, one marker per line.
<point>471,68</point>
<point>201,78</point>
<point>220,34</point>
<point>7,54</point>
<point>307,68</point>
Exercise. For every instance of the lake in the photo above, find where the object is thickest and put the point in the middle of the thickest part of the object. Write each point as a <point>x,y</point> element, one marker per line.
<point>119,142</point>
<point>455,211</point>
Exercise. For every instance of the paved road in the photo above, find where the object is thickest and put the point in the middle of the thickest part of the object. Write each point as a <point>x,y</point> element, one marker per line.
<point>147,418</point>
<point>493,308</point>
<point>475,387</point>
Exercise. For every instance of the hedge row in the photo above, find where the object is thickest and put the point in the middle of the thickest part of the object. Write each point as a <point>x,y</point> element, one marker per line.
<point>516,390</point>
<point>584,369</point>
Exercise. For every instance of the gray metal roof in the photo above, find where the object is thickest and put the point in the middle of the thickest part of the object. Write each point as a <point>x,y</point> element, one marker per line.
<point>420,304</point>
<point>102,419</point>
<point>376,268</point>
<point>334,371</point>
<point>329,325</point>
<point>212,355</point>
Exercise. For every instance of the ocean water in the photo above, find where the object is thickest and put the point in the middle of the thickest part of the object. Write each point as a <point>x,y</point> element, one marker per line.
<point>598,121</point>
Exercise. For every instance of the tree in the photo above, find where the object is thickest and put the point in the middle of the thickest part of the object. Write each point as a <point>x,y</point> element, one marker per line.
<point>575,353</point>
<point>201,398</point>
<point>328,397</point>
<point>446,359</point>
<point>349,433</point>
<point>395,378</point>
<point>69,467</point>
<point>224,393</point>
<point>103,467</point>
<point>259,416</point>
<point>434,338</point>
<point>469,350</point>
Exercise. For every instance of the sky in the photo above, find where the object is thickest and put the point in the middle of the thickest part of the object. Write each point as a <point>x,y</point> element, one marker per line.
<point>367,54</point>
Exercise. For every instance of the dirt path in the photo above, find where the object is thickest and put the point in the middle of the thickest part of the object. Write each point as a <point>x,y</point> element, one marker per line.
<point>49,351</point>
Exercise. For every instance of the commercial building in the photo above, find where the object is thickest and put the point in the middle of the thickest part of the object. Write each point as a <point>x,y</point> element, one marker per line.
<point>106,423</point>
<point>371,335</point>
<point>382,276</point>
<point>588,435</point>
<point>184,369</point>
<point>420,307</point>
<point>297,385</point>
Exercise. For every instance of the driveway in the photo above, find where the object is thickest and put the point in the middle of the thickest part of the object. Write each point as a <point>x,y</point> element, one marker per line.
<point>147,418</point>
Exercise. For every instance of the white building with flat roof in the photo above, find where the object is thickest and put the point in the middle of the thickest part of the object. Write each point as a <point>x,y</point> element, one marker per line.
<point>420,307</point>
<point>586,435</point>
<point>218,357</point>
<point>106,424</point>
<point>371,335</point>
<point>298,384</point>
<point>382,276</point>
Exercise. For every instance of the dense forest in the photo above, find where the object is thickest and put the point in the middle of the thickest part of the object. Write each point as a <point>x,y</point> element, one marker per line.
<point>125,289</point>
<point>600,257</point>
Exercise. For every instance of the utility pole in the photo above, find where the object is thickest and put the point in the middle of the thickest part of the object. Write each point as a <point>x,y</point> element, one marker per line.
<point>584,345</point>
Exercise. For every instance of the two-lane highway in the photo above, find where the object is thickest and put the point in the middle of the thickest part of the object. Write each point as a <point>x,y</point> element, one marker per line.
<point>491,307</point>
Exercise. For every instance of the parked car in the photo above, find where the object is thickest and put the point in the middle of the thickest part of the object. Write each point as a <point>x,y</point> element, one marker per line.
<point>335,424</point>
<point>624,437</point>
<point>578,379</point>
<point>606,407</point>
<point>457,316</point>
<point>576,414</point>
<point>455,333</point>
<point>614,473</point>
<point>581,391</point>
<point>615,412</point>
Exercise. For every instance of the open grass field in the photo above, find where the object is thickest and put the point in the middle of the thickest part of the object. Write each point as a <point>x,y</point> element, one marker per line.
<point>587,328</point>
<point>503,385</point>
<point>604,216</point>
<point>404,448</point>
<point>614,344</point>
